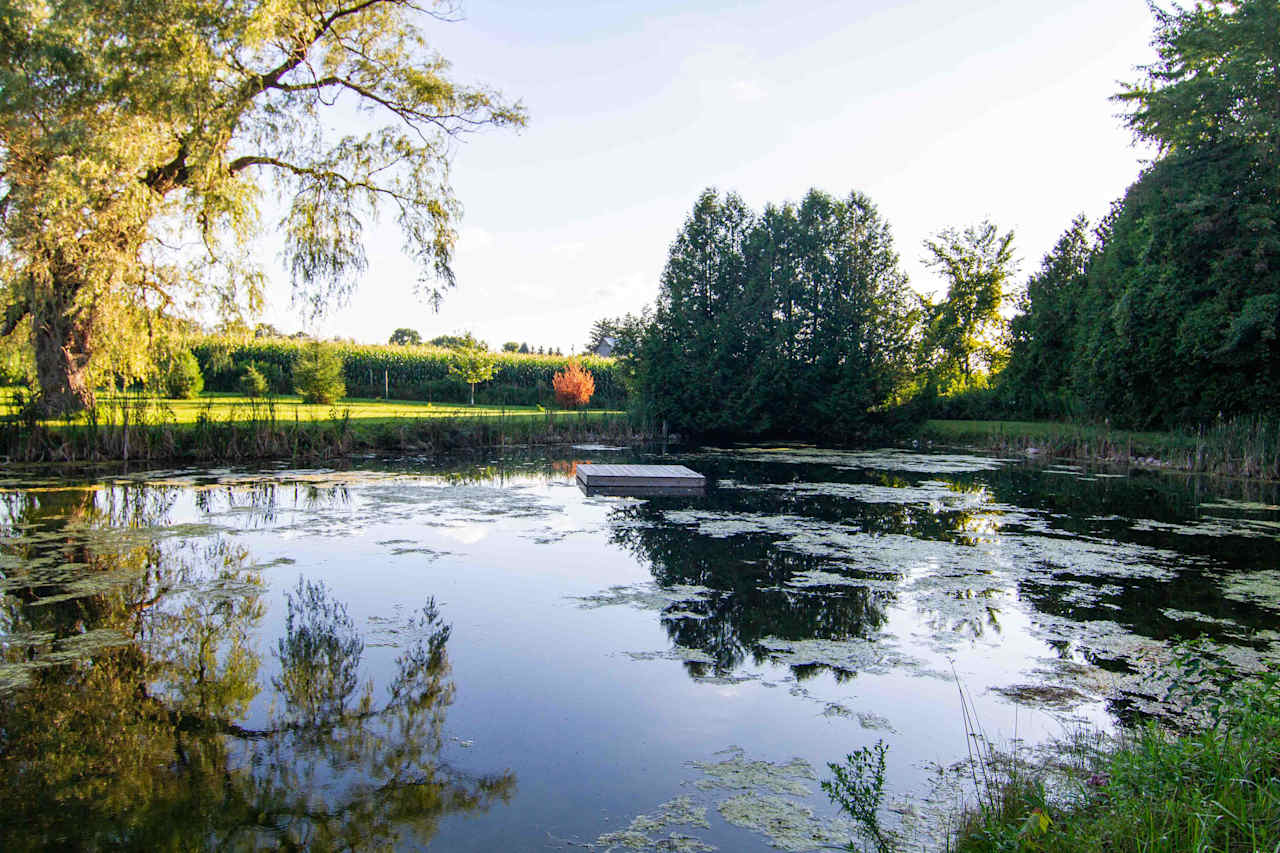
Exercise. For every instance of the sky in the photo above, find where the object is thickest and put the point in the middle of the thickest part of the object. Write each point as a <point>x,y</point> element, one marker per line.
<point>944,112</point>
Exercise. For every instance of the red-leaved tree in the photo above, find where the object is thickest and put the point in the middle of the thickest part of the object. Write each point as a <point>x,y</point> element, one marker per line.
<point>574,386</point>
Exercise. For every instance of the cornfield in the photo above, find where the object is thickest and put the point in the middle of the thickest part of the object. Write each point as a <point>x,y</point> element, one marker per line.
<point>405,372</point>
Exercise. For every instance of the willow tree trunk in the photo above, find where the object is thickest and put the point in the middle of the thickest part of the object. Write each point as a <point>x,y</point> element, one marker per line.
<point>61,335</point>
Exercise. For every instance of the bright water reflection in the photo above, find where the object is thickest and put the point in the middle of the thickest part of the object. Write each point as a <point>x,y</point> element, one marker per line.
<point>478,656</point>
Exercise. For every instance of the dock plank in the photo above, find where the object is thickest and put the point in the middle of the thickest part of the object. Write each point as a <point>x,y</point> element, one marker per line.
<point>644,476</point>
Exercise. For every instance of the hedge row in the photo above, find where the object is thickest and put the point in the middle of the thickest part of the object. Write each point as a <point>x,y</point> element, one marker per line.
<point>410,372</point>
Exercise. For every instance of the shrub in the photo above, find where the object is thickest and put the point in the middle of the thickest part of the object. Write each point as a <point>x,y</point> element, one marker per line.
<point>252,382</point>
<point>574,386</point>
<point>180,376</point>
<point>277,382</point>
<point>318,374</point>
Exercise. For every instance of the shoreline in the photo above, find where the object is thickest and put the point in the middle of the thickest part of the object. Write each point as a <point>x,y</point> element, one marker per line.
<point>336,437</point>
<point>1239,449</point>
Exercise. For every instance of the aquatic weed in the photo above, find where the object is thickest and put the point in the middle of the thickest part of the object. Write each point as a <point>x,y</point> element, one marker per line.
<point>857,787</point>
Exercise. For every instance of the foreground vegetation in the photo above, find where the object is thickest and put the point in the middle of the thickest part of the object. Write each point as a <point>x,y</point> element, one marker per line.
<point>1208,780</point>
<point>1245,447</point>
<point>1216,789</point>
<point>224,427</point>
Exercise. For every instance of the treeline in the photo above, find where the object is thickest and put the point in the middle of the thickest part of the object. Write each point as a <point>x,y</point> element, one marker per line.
<point>1168,313</point>
<point>797,321</point>
<point>407,372</point>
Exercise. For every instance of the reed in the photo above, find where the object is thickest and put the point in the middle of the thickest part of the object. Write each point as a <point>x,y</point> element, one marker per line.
<point>1214,788</point>
<point>1206,781</point>
<point>1241,447</point>
<point>139,428</point>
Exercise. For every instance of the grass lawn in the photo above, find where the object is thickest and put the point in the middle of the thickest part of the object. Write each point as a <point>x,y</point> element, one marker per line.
<point>222,407</point>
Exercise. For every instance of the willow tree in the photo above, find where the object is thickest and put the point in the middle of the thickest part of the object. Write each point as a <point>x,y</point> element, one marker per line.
<point>137,139</point>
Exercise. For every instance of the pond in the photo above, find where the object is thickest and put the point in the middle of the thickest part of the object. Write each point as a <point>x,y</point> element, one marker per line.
<point>476,655</point>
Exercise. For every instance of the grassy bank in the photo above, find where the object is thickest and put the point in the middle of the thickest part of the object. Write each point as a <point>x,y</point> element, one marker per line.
<point>226,427</point>
<point>1215,790</point>
<point>1248,447</point>
<point>1207,781</point>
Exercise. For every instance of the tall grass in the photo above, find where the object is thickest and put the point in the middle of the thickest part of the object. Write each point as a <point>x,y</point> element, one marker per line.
<point>138,427</point>
<point>1209,782</point>
<point>1214,790</point>
<point>1245,446</point>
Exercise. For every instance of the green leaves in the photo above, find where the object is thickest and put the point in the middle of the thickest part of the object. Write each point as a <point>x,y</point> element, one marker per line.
<point>965,331</point>
<point>1215,81</point>
<point>318,374</point>
<point>136,140</point>
<point>857,787</point>
<point>472,365</point>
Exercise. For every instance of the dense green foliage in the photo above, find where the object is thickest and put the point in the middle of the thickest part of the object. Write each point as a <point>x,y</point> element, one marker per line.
<point>1213,789</point>
<point>1179,316</point>
<point>405,337</point>
<point>795,321</point>
<point>462,341</point>
<point>473,365</point>
<point>964,333</point>
<point>1171,314</point>
<point>1042,336</point>
<point>318,374</point>
<point>621,334</point>
<point>410,373</point>
<point>252,383</point>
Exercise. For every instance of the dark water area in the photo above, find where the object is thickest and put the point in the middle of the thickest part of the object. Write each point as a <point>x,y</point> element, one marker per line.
<point>476,655</point>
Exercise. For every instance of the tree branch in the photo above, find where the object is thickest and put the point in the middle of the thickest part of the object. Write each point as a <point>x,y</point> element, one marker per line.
<point>241,163</point>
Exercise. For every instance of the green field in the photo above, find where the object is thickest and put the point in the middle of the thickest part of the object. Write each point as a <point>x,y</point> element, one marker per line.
<point>233,407</point>
<point>218,427</point>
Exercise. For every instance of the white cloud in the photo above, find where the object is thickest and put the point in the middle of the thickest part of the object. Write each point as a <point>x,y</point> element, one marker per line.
<point>746,91</point>
<point>569,250</point>
<point>474,239</point>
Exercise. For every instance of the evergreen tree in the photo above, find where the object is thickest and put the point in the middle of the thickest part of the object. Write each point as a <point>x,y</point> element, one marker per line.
<point>1180,315</point>
<point>796,321</point>
<point>1037,380</point>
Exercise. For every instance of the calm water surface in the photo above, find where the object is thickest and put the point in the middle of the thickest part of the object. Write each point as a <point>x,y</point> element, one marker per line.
<point>478,656</point>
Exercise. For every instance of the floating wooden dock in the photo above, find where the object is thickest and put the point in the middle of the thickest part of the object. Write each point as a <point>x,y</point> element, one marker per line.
<point>640,480</point>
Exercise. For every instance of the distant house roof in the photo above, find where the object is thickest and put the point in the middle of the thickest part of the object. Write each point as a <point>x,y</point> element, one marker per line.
<point>606,348</point>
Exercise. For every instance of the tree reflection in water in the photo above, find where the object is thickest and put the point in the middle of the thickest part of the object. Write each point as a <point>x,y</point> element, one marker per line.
<point>128,668</point>
<point>749,599</point>
<point>749,575</point>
